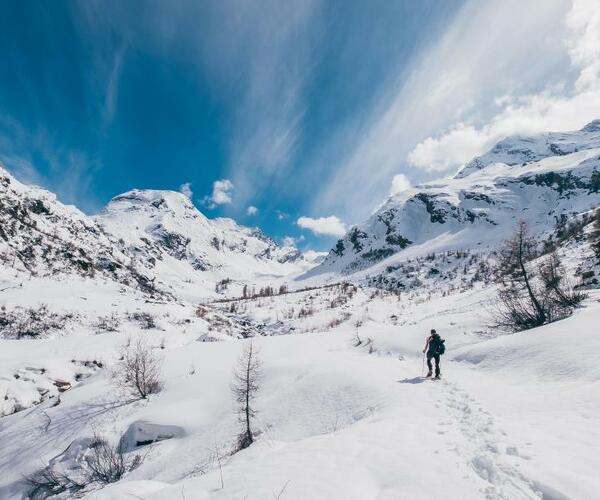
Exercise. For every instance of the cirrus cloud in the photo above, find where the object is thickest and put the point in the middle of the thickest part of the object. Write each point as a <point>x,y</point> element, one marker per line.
<point>326,226</point>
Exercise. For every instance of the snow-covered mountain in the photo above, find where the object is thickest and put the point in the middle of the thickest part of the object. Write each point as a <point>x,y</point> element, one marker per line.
<point>154,241</point>
<point>547,180</point>
<point>39,236</point>
<point>169,235</point>
<point>527,149</point>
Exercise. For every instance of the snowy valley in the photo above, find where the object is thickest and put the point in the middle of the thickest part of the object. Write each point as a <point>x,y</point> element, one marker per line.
<point>343,409</point>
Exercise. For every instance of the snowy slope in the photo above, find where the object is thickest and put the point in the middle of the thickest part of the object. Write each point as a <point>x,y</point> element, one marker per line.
<point>545,180</point>
<point>39,236</point>
<point>515,418</point>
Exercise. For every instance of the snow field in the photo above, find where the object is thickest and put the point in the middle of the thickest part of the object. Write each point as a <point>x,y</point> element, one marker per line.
<point>515,416</point>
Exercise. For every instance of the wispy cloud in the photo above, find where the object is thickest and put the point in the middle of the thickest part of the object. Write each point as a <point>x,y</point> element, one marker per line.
<point>112,85</point>
<point>35,145</point>
<point>251,210</point>
<point>289,241</point>
<point>264,55</point>
<point>453,84</point>
<point>35,157</point>
<point>328,226</point>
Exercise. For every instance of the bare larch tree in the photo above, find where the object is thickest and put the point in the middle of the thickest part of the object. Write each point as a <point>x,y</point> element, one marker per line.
<point>139,369</point>
<point>519,306</point>
<point>529,294</point>
<point>245,386</point>
<point>558,289</point>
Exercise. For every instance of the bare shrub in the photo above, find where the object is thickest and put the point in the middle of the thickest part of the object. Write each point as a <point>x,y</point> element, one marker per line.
<point>218,323</point>
<point>108,323</point>
<point>47,482</point>
<point>245,386</point>
<point>201,311</point>
<point>146,320</point>
<point>335,322</point>
<point>139,369</point>
<point>357,340</point>
<point>108,463</point>
<point>99,464</point>
<point>305,312</point>
<point>32,322</point>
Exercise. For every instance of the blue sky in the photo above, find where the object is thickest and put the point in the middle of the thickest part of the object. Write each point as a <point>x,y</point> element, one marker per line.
<point>310,111</point>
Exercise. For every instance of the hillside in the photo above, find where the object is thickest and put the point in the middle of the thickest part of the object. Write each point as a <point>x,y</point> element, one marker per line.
<point>41,237</point>
<point>514,417</point>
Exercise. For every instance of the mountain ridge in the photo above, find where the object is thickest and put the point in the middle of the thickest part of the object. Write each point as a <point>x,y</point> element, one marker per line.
<point>479,207</point>
<point>152,240</point>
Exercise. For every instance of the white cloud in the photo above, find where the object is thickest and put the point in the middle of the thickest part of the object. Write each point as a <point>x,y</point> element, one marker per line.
<point>399,183</point>
<point>221,194</point>
<point>289,241</point>
<point>330,226</point>
<point>562,106</point>
<point>186,189</point>
<point>461,142</point>
<point>281,215</point>
<point>251,210</point>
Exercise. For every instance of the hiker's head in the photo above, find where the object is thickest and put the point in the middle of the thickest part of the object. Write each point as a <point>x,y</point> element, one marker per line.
<point>433,332</point>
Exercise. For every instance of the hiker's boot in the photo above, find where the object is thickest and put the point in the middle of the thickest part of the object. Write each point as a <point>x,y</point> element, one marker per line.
<point>428,374</point>
<point>437,376</point>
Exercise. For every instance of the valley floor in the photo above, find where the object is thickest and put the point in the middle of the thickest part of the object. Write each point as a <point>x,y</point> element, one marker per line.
<point>514,417</point>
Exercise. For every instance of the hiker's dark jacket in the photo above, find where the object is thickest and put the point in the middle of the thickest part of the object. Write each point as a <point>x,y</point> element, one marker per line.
<point>434,345</point>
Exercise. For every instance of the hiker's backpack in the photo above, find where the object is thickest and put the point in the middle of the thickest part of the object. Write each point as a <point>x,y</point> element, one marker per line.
<point>441,348</point>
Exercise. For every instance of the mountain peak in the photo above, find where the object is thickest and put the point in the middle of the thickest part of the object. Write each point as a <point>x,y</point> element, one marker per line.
<point>521,149</point>
<point>152,200</point>
<point>593,126</point>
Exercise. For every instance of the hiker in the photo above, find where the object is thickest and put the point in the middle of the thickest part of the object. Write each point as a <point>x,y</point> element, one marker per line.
<point>434,347</point>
